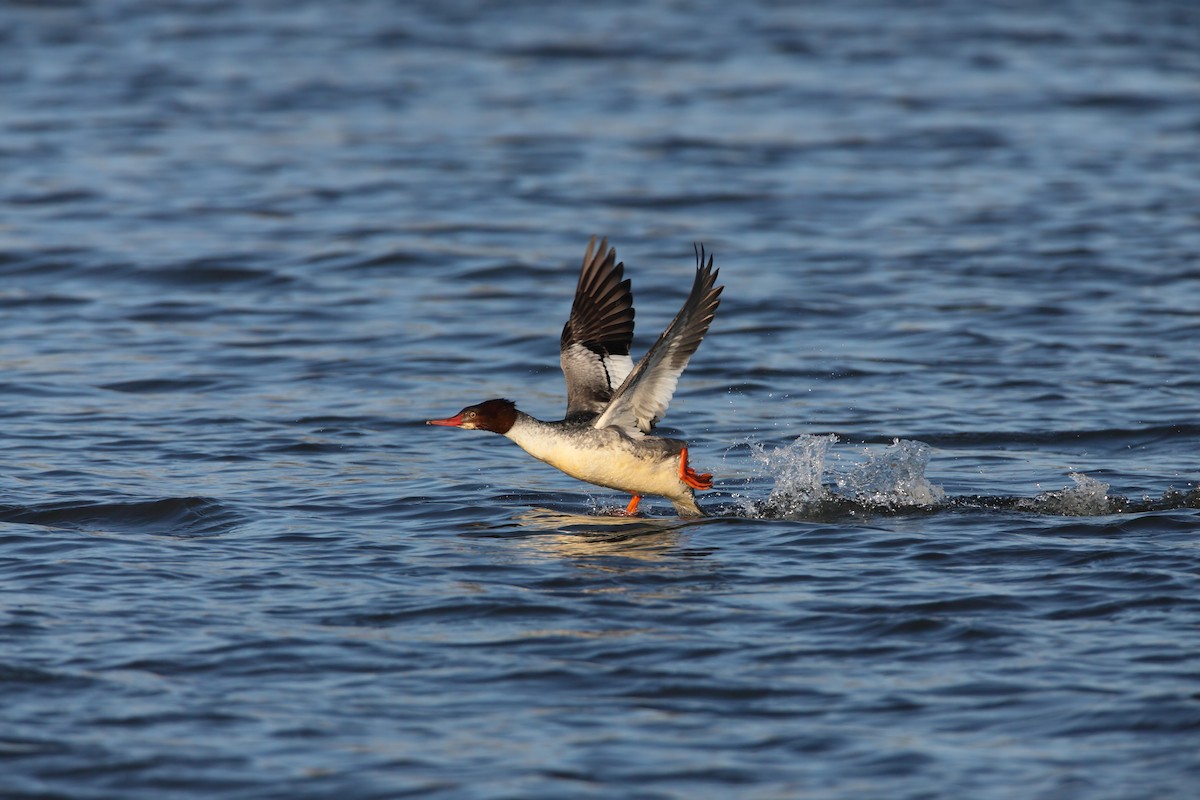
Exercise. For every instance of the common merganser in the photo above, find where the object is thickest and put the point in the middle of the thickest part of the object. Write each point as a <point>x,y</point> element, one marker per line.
<point>612,406</point>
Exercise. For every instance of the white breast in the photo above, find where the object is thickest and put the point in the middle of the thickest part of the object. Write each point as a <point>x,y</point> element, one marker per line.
<point>604,457</point>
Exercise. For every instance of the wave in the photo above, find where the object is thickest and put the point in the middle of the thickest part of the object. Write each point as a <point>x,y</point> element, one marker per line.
<point>1112,436</point>
<point>171,516</point>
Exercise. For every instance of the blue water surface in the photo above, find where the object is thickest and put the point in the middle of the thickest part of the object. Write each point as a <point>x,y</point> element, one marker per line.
<point>950,400</point>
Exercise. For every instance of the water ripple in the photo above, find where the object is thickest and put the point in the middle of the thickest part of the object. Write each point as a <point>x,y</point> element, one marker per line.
<point>185,516</point>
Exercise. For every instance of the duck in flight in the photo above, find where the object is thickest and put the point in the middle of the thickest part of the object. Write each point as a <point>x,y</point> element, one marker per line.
<point>612,406</point>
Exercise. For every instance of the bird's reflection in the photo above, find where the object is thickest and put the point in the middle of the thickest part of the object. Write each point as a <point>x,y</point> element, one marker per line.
<point>583,536</point>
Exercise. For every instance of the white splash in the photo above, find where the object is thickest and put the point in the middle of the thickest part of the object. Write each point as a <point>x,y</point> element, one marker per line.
<point>1087,498</point>
<point>894,478</point>
<point>889,480</point>
<point>797,469</point>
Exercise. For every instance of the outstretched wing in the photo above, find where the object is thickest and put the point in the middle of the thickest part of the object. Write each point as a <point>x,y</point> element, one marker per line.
<point>594,348</point>
<point>642,400</point>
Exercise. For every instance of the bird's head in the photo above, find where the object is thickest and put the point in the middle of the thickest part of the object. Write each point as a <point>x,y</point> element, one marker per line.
<point>496,416</point>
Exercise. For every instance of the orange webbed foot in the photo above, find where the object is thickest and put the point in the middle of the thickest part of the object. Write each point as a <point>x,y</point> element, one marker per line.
<point>690,476</point>
<point>631,509</point>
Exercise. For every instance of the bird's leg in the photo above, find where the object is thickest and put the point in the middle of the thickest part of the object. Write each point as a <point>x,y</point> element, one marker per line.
<point>689,476</point>
<point>631,509</point>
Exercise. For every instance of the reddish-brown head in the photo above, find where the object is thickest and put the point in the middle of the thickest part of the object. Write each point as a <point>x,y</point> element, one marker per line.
<point>496,416</point>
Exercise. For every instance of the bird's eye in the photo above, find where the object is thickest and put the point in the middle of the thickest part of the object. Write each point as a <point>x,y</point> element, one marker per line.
<point>471,414</point>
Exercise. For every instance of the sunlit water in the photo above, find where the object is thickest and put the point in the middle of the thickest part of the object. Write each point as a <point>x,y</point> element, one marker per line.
<point>950,400</point>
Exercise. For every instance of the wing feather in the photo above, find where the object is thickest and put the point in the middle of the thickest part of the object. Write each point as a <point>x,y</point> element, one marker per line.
<point>594,347</point>
<point>642,399</point>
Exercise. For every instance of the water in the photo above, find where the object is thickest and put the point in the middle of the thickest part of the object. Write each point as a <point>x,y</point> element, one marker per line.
<point>950,400</point>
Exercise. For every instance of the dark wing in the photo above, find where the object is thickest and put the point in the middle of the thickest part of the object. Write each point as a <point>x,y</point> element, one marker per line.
<point>642,400</point>
<point>594,348</point>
